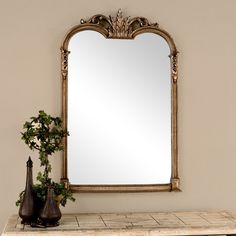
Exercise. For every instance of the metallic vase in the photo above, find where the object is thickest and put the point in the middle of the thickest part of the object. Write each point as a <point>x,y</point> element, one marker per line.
<point>26,211</point>
<point>50,214</point>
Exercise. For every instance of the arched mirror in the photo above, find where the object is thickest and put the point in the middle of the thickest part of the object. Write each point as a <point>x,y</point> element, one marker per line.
<point>120,106</point>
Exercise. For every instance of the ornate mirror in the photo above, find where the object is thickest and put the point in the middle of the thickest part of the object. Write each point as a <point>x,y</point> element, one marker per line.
<point>119,78</point>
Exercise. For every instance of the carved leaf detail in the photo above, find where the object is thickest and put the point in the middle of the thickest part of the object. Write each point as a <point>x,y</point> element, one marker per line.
<point>119,26</point>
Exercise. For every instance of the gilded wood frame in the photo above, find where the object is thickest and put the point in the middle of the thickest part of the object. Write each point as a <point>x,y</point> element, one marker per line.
<point>120,27</point>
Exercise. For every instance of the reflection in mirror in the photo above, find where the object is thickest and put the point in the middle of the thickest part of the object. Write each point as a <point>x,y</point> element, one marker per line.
<point>119,82</point>
<point>119,110</point>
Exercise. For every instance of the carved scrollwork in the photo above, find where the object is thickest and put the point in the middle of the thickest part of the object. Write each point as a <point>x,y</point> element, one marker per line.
<point>174,67</point>
<point>119,26</point>
<point>64,63</point>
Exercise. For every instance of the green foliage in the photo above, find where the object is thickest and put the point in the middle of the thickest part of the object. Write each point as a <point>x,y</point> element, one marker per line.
<point>62,194</point>
<point>45,133</point>
<point>20,199</point>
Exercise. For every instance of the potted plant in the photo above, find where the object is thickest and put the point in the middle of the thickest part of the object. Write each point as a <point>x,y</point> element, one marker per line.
<point>44,134</point>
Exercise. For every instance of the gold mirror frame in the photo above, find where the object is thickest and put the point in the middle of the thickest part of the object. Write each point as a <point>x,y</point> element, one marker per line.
<point>120,27</point>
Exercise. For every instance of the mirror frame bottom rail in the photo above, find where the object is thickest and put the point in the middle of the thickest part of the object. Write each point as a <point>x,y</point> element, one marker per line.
<point>173,186</point>
<point>120,27</point>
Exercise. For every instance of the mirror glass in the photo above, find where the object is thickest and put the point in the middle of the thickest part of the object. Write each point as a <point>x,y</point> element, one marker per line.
<point>119,110</point>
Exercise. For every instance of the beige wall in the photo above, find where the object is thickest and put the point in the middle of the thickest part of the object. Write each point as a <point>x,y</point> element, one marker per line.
<point>31,32</point>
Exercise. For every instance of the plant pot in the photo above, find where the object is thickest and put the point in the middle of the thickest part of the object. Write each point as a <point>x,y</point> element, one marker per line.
<point>38,206</point>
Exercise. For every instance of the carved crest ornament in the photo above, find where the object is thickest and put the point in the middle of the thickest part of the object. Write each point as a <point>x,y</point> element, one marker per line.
<point>119,27</point>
